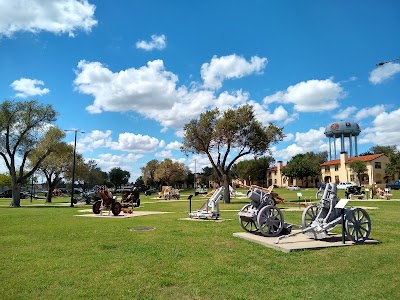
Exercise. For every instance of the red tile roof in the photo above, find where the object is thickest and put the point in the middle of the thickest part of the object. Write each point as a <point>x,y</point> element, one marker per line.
<point>365,158</point>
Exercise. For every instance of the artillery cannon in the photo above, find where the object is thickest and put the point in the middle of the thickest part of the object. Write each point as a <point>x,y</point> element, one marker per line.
<point>261,214</point>
<point>109,202</point>
<point>210,208</point>
<point>318,220</point>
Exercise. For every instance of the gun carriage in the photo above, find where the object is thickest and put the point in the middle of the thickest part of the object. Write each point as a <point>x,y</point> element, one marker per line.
<point>318,220</point>
<point>130,199</point>
<point>210,208</point>
<point>261,215</point>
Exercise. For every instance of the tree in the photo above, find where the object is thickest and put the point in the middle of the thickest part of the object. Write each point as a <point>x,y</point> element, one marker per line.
<point>359,167</point>
<point>305,165</point>
<point>95,175</point>
<point>5,180</point>
<point>119,177</point>
<point>170,172</point>
<point>387,150</point>
<point>254,169</point>
<point>54,165</point>
<point>393,167</point>
<point>24,126</point>
<point>148,171</point>
<point>235,132</point>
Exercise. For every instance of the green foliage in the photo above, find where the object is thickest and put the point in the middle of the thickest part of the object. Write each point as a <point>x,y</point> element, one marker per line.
<point>5,180</point>
<point>387,150</point>
<point>305,165</point>
<point>148,172</point>
<point>95,176</point>
<point>255,169</point>
<point>394,164</point>
<point>170,172</point>
<point>118,176</point>
<point>359,167</point>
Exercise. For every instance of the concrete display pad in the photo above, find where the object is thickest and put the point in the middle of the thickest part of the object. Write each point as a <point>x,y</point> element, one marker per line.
<point>122,215</point>
<point>204,220</point>
<point>298,242</point>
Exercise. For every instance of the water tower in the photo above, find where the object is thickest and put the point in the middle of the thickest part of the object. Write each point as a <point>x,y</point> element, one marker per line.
<point>341,130</point>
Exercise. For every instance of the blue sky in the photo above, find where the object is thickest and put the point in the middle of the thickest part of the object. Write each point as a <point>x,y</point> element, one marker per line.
<point>130,74</point>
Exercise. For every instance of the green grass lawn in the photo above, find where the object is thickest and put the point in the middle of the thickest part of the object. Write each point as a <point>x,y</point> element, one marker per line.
<point>46,252</point>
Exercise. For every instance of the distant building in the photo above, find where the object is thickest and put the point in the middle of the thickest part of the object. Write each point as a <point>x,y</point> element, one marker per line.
<point>336,171</point>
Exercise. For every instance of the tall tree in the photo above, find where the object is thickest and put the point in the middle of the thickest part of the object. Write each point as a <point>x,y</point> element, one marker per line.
<point>393,167</point>
<point>148,171</point>
<point>170,172</point>
<point>233,133</point>
<point>387,150</point>
<point>305,165</point>
<point>119,177</point>
<point>359,167</point>
<point>24,126</point>
<point>95,176</point>
<point>54,165</point>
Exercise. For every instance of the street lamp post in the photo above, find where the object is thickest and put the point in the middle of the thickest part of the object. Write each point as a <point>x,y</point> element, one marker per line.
<point>73,165</point>
<point>385,62</point>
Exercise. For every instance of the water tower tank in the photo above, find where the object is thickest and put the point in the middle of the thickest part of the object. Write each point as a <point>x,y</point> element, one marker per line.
<point>341,130</point>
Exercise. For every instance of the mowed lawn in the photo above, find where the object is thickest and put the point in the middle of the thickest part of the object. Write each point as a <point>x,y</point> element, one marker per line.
<point>47,252</point>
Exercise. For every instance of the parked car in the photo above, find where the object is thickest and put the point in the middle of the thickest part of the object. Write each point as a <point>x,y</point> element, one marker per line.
<point>344,185</point>
<point>293,188</point>
<point>8,194</point>
<point>395,185</point>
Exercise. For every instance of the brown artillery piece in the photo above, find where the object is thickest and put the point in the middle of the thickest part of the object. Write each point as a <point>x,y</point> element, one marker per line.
<point>130,199</point>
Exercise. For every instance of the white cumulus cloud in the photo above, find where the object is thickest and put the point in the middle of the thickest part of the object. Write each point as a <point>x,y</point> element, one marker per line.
<point>369,112</point>
<point>56,16</point>
<point>310,96</point>
<point>228,67</point>
<point>383,73</point>
<point>29,87</point>
<point>158,42</point>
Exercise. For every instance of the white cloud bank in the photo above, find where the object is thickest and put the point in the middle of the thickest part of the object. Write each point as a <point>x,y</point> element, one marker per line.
<point>56,16</point>
<point>158,42</point>
<point>384,73</point>
<point>310,96</point>
<point>29,87</point>
<point>152,91</point>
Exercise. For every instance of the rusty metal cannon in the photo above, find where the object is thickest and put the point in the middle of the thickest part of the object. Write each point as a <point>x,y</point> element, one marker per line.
<point>130,199</point>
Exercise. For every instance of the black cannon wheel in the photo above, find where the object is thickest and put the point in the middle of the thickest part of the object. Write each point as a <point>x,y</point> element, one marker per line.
<point>96,207</point>
<point>309,215</point>
<point>358,225</point>
<point>247,224</point>
<point>116,208</point>
<point>270,220</point>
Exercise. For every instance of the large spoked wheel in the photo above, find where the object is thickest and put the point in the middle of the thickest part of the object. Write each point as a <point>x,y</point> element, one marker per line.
<point>270,220</point>
<point>96,207</point>
<point>358,225</point>
<point>309,215</point>
<point>248,223</point>
<point>116,208</point>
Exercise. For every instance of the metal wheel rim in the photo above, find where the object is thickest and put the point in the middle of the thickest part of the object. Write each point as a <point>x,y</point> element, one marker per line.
<point>250,226</point>
<point>270,220</point>
<point>358,225</point>
<point>116,208</point>
<point>309,215</point>
<point>96,207</point>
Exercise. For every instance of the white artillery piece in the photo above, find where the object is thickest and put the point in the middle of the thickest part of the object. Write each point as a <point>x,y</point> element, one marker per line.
<point>318,220</point>
<point>210,208</point>
<point>261,215</point>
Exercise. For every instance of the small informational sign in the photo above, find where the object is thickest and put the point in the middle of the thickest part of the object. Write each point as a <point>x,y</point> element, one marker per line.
<point>342,203</point>
<point>299,195</point>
